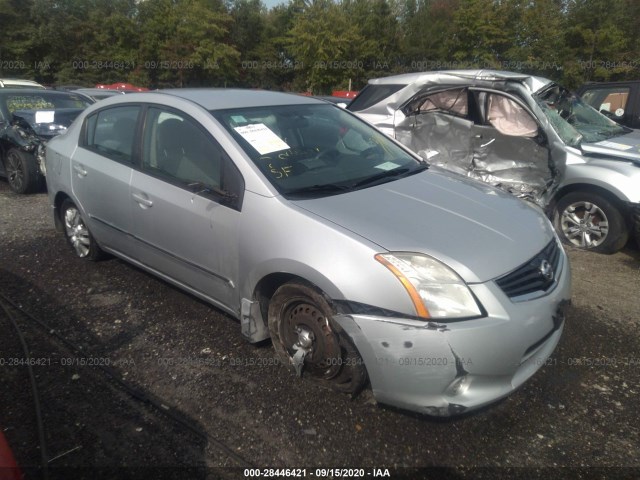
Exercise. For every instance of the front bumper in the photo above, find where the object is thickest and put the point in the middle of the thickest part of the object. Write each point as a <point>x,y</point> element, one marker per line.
<point>446,369</point>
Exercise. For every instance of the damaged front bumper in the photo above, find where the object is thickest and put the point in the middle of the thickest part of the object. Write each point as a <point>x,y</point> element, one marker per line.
<point>447,369</point>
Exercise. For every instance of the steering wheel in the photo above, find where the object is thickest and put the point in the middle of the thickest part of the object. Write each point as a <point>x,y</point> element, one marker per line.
<point>329,156</point>
<point>372,152</point>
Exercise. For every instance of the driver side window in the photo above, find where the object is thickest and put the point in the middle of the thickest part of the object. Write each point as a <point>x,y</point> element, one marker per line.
<point>176,147</point>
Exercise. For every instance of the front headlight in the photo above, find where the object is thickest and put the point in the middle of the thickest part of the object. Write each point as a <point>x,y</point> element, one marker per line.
<point>435,290</point>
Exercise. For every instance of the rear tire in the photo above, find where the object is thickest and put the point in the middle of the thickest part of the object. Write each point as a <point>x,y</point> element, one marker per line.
<point>22,172</point>
<point>298,311</point>
<point>77,233</point>
<point>590,221</point>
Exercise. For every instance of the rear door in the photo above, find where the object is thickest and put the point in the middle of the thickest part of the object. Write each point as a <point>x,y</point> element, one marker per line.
<point>101,173</point>
<point>509,148</point>
<point>186,202</point>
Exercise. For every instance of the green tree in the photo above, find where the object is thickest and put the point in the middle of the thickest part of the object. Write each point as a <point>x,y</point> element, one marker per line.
<point>377,24</point>
<point>17,56</point>
<point>481,36</point>
<point>185,42</point>
<point>537,29</point>
<point>598,47</point>
<point>428,27</point>
<point>327,46</point>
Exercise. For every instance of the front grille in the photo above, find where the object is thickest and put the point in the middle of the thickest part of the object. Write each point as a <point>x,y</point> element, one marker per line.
<point>530,277</point>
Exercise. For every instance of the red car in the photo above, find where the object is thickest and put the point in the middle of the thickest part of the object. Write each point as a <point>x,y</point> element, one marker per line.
<point>9,469</point>
<point>122,87</point>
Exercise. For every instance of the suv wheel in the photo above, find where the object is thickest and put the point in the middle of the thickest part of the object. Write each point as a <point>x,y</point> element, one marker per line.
<point>590,221</point>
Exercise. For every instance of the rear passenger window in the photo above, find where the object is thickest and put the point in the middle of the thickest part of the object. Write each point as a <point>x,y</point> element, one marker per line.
<point>111,132</point>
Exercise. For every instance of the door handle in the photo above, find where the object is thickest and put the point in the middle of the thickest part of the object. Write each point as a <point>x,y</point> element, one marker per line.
<point>142,200</point>
<point>80,170</point>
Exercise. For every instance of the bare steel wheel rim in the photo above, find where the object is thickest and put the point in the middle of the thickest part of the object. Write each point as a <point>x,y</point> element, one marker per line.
<point>15,171</point>
<point>584,224</point>
<point>77,232</point>
<point>304,326</point>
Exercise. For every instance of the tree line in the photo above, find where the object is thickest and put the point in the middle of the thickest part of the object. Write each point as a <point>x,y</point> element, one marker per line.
<point>313,45</point>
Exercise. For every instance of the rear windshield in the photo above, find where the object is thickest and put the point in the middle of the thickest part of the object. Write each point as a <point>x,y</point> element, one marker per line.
<point>372,94</point>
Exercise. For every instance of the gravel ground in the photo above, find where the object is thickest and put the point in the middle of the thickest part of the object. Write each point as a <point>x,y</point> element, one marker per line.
<point>138,379</point>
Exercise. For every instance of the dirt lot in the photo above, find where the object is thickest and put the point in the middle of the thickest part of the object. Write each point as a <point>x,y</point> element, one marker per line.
<point>138,379</point>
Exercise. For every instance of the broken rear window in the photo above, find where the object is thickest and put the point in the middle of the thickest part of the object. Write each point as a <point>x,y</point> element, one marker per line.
<point>372,94</point>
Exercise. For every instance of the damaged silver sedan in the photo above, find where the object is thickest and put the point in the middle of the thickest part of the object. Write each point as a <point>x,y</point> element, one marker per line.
<point>360,261</point>
<point>526,135</point>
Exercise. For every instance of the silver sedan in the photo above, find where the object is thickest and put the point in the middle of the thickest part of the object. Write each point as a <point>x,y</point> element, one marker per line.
<point>362,263</point>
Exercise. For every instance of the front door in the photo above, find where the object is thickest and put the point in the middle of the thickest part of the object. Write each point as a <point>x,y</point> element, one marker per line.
<point>185,222</point>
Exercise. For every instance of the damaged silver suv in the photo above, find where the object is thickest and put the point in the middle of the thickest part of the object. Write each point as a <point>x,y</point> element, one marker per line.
<point>524,134</point>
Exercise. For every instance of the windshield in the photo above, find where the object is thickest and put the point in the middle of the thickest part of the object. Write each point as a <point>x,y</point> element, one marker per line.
<point>316,150</point>
<point>573,120</point>
<point>45,101</point>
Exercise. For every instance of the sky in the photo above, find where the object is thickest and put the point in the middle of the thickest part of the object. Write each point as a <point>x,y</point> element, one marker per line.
<point>272,3</point>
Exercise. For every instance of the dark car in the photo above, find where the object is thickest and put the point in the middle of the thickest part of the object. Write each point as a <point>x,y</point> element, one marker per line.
<point>28,119</point>
<point>619,101</point>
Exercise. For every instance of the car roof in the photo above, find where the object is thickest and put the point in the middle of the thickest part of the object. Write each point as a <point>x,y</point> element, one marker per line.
<point>97,91</point>
<point>36,91</point>
<point>533,82</point>
<point>223,98</point>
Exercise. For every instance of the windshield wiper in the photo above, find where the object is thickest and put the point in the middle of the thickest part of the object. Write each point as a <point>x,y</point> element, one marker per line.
<point>317,190</point>
<point>328,189</point>
<point>388,175</point>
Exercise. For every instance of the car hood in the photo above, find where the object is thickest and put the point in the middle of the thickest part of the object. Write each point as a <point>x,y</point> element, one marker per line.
<point>47,123</point>
<point>479,231</point>
<point>625,147</point>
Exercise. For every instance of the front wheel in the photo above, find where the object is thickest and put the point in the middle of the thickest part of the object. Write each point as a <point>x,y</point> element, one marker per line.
<point>77,233</point>
<point>590,221</point>
<point>306,337</point>
<point>22,172</point>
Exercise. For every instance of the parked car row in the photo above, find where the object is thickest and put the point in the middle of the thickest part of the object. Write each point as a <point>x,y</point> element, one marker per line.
<point>365,257</point>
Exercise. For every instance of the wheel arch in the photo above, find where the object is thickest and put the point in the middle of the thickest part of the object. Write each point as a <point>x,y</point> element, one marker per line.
<point>268,284</point>
<point>611,194</point>
<point>58,200</point>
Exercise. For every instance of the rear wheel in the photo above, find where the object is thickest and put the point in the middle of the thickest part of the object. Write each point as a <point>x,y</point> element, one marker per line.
<point>22,172</point>
<point>590,221</point>
<point>306,337</point>
<point>77,233</point>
